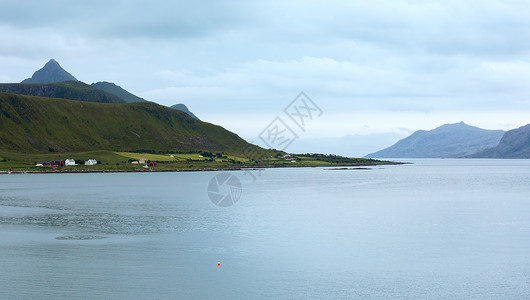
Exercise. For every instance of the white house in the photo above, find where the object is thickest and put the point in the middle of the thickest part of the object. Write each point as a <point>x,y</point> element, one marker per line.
<point>91,162</point>
<point>70,162</point>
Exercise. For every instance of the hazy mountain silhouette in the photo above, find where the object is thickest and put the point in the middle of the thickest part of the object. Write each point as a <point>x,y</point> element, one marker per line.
<point>514,144</point>
<point>449,140</point>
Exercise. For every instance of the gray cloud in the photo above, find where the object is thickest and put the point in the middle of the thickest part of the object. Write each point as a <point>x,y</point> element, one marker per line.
<point>126,19</point>
<point>220,57</point>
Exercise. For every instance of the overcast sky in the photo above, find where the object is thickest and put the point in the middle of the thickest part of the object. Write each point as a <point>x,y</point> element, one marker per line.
<point>371,66</point>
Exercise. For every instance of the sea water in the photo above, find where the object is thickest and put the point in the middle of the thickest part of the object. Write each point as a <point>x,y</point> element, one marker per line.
<point>434,229</point>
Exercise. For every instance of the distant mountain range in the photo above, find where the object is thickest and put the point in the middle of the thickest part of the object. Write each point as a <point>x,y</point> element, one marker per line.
<point>447,141</point>
<point>460,141</point>
<point>514,144</point>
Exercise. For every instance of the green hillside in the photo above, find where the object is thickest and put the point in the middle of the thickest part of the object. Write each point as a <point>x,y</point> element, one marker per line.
<point>36,124</point>
<point>74,90</point>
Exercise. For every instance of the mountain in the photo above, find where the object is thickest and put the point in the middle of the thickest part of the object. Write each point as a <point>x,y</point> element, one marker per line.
<point>118,91</point>
<point>53,81</point>
<point>50,73</point>
<point>513,144</point>
<point>73,90</point>
<point>183,108</point>
<point>449,140</point>
<point>37,124</point>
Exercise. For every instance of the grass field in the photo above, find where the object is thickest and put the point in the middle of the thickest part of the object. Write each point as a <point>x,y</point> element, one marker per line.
<point>178,157</point>
<point>119,161</point>
<point>188,156</point>
<point>148,156</point>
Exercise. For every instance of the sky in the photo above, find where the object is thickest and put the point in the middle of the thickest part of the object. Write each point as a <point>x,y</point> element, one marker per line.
<point>374,68</point>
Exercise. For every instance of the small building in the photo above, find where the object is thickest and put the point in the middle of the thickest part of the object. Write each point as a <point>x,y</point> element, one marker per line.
<point>70,162</point>
<point>134,162</point>
<point>91,162</point>
<point>55,163</point>
<point>287,157</point>
<point>143,161</point>
<point>153,164</point>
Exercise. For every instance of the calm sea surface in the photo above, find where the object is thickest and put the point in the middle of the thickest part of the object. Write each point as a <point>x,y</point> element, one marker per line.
<point>435,229</point>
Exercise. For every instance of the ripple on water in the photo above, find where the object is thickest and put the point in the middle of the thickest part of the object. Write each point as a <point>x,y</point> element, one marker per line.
<point>80,237</point>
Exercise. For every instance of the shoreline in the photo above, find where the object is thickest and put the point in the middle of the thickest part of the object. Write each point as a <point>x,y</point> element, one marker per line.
<point>190,170</point>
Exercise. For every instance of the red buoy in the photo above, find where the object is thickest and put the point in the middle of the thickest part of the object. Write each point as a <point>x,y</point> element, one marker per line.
<point>218,264</point>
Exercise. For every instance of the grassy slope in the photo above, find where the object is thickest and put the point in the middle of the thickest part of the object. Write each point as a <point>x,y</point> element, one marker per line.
<point>74,90</point>
<point>34,124</point>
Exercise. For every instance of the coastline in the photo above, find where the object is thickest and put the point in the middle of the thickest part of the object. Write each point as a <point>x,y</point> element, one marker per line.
<point>389,163</point>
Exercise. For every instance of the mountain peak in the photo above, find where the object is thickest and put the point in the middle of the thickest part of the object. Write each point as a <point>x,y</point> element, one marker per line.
<point>183,108</point>
<point>50,73</point>
<point>52,62</point>
<point>118,91</point>
<point>459,124</point>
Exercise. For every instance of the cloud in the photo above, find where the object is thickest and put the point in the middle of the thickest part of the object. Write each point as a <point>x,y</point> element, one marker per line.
<point>376,58</point>
<point>459,85</point>
<point>127,19</point>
